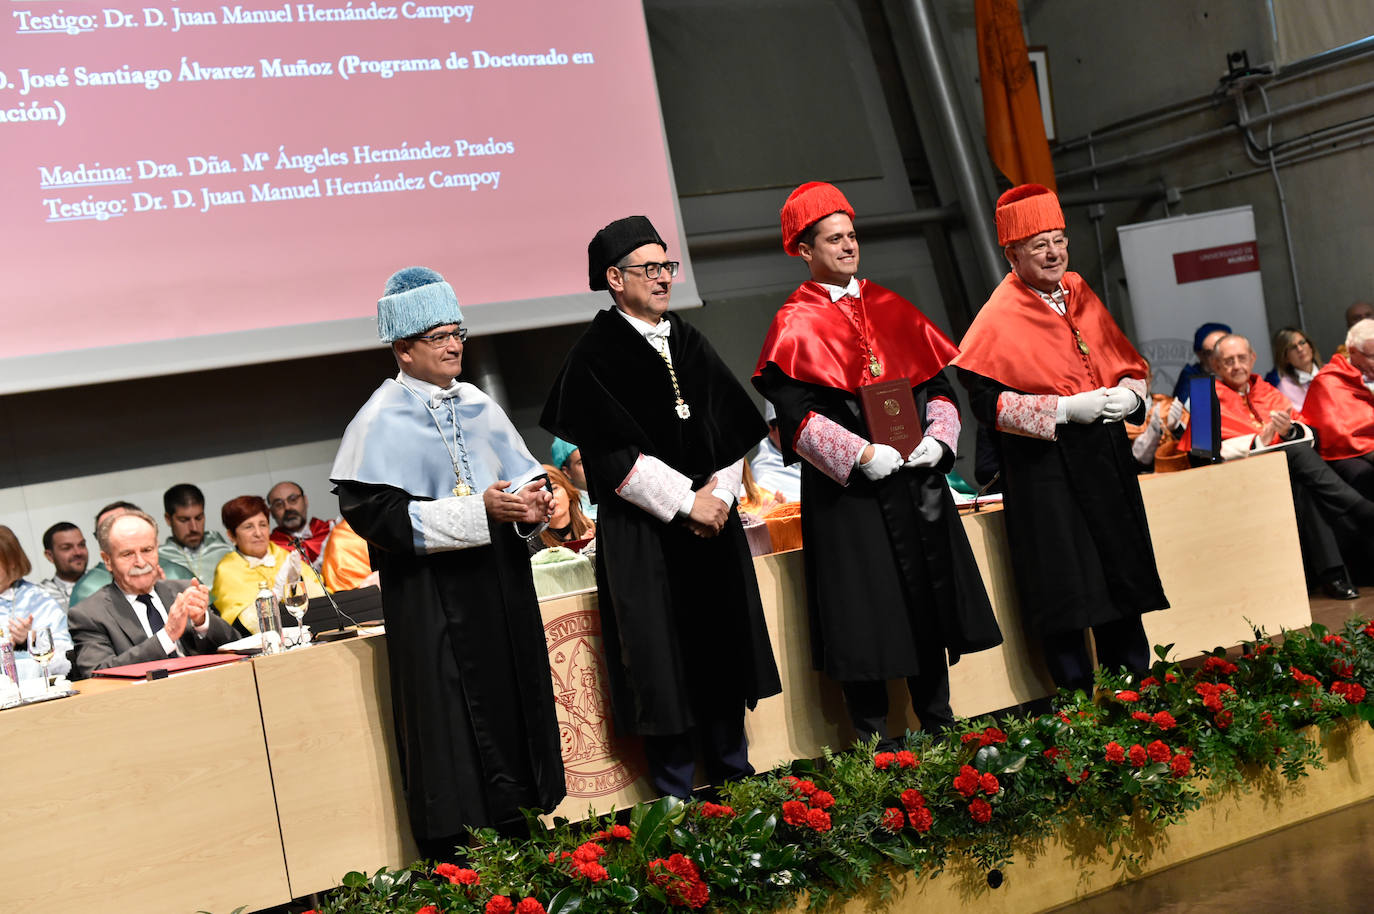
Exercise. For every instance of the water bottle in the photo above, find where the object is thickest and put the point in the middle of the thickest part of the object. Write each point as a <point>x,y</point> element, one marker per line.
<point>7,664</point>
<point>269,621</point>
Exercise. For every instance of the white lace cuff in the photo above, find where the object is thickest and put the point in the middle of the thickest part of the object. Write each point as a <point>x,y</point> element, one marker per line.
<point>942,423</point>
<point>446,524</point>
<point>828,446</point>
<point>1032,415</point>
<point>656,488</point>
<point>729,481</point>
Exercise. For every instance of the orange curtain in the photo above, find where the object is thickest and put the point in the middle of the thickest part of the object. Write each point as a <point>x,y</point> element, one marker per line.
<point>1011,104</point>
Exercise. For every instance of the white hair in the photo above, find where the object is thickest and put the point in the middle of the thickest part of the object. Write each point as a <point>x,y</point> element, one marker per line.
<point>1358,335</point>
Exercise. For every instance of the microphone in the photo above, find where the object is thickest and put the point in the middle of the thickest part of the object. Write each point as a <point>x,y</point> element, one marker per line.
<point>305,559</point>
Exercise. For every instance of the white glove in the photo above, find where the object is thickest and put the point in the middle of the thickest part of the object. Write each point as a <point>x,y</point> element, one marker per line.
<point>1120,403</point>
<point>884,462</point>
<point>1085,407</point>
<point>1175,412</point>
<point>927,454</point>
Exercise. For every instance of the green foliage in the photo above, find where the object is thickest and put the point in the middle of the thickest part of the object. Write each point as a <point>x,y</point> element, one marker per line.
<point>1115,767</point>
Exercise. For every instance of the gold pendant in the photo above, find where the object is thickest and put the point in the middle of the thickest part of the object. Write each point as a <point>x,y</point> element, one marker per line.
<point>875,367</point>
<point>683,410</point>
<point>1082,346</point>
<point>462,489</point>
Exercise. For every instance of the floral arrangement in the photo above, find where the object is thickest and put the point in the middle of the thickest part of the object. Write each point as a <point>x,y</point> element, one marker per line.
<point>1134,757</point>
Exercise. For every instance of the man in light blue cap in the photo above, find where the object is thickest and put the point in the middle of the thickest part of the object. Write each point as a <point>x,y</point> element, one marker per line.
<point>568,458</point>
<point>436,479</point>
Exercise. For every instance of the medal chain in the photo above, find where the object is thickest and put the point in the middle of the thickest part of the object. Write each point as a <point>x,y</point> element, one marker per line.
<point>875,368</point>
<point>682,409</point>
<point>455,452</point>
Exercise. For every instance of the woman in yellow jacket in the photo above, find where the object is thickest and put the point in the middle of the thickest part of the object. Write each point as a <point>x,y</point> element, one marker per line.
<point>255,561</point>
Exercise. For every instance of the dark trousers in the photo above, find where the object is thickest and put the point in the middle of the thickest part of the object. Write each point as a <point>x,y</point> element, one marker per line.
<point>1119,644</point>
<point>1325,504</point>
<point>866,701</point>
<point>1358,472</point>
<point>723,747</point>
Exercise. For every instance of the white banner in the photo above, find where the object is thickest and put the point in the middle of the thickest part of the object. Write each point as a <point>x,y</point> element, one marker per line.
<point>1186,271</point>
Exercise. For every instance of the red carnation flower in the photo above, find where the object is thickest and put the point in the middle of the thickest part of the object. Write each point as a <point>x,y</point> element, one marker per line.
<point>893,819</point>
<point>1180,765</point>
<point>1266,719</point>
<point>1164,720</point>
<point>921,819</point>
<point>1304,678</point>
<point>1141,715</point>
<point>588,853</point>
<point>530,906</point>
<point>1051,753</point>
<point>499,904</point>
<point>805,788</point>
<point>794,812</point>
<point>615,832</point>
<point>1149,682</point>
<point>1138,755</point>
<point>680,880</point>
<point>1128,696</point>
<point>1333,639</point>
<point>1219,665</point>
<point>1170,677</point>
<point>593,871</point>
<point>822,799</point>
<point>906,759</point>
<point>991,736</point>
<point>912,799</point>
<point>818,819</point>
<point>1158,751</point>
<point>1342,668</point>
<point>966,781</point>
<point>1352,692</point>
<point>883,760</point>
<point>979,810</point>
<point>1115,753</point>
<point>968,738</point>
<point>457,875</point>
<point>709,810</point>
<point>988,781</point>
<point>428,909</point>
<point>1223,719</point>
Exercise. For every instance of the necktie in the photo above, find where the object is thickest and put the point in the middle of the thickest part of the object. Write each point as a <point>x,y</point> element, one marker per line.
<point>154,617</point>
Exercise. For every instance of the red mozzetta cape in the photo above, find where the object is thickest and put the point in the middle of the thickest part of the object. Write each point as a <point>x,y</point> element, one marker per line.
<point>1245,415</point>
<point>812,341</point>
<point>1020,342</point>
<point>1341,410</point>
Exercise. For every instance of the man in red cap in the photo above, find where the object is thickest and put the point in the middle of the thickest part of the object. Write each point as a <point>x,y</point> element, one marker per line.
<point>1050,372</point>
<point>891,581</point>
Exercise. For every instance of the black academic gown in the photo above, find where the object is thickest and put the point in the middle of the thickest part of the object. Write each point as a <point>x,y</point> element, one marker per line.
<point>470,687</point>
<point>1076,528</point>
<point>889,569</point>
<point>681,618</point>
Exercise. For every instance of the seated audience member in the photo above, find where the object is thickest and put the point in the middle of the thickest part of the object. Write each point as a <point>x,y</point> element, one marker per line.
<point>1340,409</point>
<point>1359,311</point>
<point>290,510</point>
<point>568,458</point>
<point>255,561</point>
<point>756,500</point>
<point>98,576</point>
<point>25,606</point>
<point>1296,363</point>
<point>188,543</point>
<point>138,616</point>
<point>1204,340</point>
<point>1255,417</point>
<point>1153,443</point>
<point>64,546</point>
<point>768,469</point>
<point>567,523</point>
<point>345,564</point>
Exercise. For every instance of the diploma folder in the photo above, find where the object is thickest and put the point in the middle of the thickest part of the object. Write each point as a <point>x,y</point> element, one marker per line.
<point>889,411</point>
<point>168,666</point>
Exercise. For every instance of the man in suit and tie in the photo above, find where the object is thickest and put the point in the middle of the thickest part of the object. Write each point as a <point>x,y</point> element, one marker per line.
<point>139,617</point>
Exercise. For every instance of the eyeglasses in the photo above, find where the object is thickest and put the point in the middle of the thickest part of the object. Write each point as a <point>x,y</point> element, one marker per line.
<point>652,270</point>
<point>1044,244</point>
<point>1298,345</point>
<point>282,503</point>
<point>441,339</point>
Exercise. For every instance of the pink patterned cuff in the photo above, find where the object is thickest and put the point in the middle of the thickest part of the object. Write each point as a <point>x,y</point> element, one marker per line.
<point>656,487</point>
<point>1137,387</point>
<point>1031,415</point>
<point>828,446</point>
<point>942,422</point>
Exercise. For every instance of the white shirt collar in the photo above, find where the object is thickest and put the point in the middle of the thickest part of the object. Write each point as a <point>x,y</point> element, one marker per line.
<point>1305,377</point>
<point>838,292</point>
<point>647,330</point>
<point>267,561</point>
<point>432,393</point>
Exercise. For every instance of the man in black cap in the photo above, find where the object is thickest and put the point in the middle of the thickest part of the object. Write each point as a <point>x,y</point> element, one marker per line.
<point>663,428</point>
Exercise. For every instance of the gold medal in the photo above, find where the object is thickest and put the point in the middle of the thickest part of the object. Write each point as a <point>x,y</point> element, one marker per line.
<point>462,489</point>
<point>1082,346</point>
<point>875,367</point>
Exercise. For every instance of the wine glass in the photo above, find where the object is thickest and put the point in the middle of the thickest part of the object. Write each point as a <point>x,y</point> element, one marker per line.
<point>41,649</point>
<point>296,600</point>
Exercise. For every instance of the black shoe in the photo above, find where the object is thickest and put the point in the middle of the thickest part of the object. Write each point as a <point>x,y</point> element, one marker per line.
<point>1336,585</point>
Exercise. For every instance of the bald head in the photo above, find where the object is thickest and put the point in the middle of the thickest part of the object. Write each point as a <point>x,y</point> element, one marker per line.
<point>1233,360</point>
<point>128,546</point>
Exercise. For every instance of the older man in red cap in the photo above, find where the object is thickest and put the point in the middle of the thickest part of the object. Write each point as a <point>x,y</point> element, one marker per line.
<point>890,578</point>
<point>1050,372</point>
